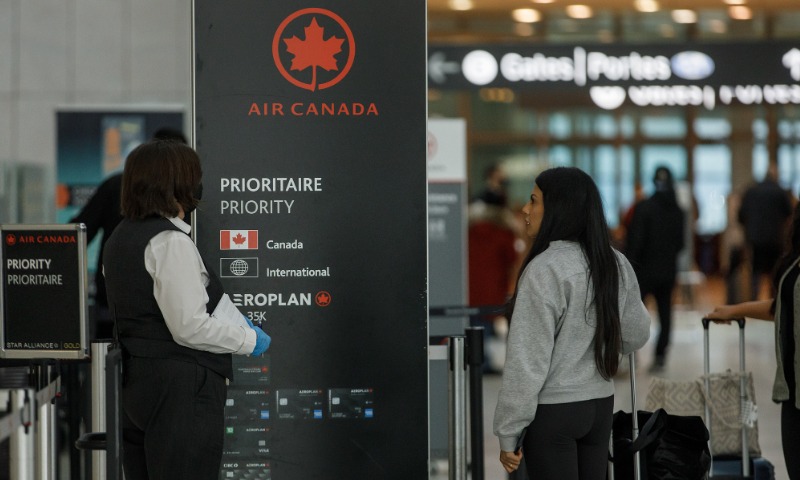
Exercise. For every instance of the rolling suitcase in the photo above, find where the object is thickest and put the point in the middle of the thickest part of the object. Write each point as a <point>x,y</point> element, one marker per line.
<point>744,466</point>
<point>656,445</point>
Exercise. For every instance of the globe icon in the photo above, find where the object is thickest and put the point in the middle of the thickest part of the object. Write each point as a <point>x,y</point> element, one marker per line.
<point>239,267</point>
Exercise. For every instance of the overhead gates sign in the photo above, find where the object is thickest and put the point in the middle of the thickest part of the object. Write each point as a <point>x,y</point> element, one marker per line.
<point>311,126</point>
<point>610,76</point>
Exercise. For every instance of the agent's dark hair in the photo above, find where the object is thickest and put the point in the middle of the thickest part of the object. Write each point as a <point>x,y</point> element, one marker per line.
<point>159,177</point>
<point>167,133</point>
<point>573,210</point>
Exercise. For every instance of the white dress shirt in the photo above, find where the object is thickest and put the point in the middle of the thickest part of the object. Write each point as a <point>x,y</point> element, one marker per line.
<point>179,286</point>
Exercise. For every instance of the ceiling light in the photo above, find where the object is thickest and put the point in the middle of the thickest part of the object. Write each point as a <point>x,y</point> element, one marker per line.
<point>734,2</point>
<point>740,13</point>
<point>684,16</point>
<point>460,4</point>
<point>579,11</point>
<point>543,1</point>
<point>526,15</point>
<point>646,6</point>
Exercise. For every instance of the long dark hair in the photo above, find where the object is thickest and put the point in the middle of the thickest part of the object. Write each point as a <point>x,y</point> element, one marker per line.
<point>792,250</point>
<point>573,210</point>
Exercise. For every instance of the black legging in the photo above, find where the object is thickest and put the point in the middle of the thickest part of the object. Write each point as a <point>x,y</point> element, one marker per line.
<point>790,437</point>
<point>569,441</point>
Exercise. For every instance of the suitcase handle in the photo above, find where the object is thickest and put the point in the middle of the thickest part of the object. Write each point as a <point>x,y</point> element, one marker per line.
<point>742,388</point>
<point>707,321</point>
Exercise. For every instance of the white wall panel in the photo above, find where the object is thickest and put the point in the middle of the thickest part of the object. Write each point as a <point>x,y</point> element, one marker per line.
<point>101,49</point>
<point>44,45</point>
<point>161,48</point>
<point>9,39</point>
<point>8,107</point>
<point>36,127</point>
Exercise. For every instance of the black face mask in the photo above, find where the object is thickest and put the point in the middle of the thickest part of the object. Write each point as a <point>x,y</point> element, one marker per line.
<point>197,194</point>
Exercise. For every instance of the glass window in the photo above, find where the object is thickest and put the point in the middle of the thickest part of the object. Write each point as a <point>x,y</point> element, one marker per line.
<point>605,126</point>
<point>605,176</point>
<point>627,126</point>
<point>627,191</point>
<point>560,126</point>
<point>760,129</point>
<point>560,156</point>
<point>712,184</point>
<point>663,127</point>
<point>760,161</point>
<point>712,128</point>
<point>789,167</point>
<point>786,129</point>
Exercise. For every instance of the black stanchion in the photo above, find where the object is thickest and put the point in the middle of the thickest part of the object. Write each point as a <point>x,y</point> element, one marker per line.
<point>475,362</point>
<point>113,408</point>
<point>111,439</point>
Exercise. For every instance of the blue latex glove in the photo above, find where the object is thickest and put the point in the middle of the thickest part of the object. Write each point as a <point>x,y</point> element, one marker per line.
<point>248,321</point>
<point>262,342</point>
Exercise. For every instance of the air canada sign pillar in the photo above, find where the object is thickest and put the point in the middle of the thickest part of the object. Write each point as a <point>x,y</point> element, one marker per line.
<point>310,121</point>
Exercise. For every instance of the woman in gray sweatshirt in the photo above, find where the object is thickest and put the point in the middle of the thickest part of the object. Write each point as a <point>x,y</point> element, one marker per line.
<point>575,311</point>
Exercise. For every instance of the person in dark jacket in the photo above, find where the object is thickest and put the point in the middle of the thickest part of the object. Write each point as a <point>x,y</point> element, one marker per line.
<point>764,213</point>
<point>655,238</point>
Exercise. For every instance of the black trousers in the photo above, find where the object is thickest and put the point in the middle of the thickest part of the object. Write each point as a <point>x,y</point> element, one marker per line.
<point>662,292</point>
<point>790,437</point>
<point>569,441</point>
<point>173,420</point>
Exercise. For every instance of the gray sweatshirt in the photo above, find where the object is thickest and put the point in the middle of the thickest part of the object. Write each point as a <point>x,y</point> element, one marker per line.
<point>550,352</point>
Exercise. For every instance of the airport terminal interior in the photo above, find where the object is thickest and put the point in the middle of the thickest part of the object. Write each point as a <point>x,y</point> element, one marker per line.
<point>134,55</point>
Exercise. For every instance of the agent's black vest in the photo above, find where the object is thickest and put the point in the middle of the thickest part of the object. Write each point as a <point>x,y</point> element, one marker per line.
<point>140,325</point>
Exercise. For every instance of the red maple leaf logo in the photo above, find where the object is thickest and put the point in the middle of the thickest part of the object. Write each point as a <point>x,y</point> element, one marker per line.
<point>239,239</point>
<point>314,51</point>
<point>11,239</point>
<point>323,298</point>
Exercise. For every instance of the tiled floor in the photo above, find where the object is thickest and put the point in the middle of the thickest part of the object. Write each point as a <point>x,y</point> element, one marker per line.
<point>685,361</point>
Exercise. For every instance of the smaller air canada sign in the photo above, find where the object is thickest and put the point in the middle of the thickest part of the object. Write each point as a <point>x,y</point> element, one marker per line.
<point>704,75</point>
<point>44,309</point>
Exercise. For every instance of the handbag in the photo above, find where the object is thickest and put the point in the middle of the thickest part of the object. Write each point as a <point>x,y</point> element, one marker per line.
<point>725,405</point>
<point>672,447</point>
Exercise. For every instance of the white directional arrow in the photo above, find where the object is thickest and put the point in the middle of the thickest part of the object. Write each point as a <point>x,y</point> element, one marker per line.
<point>439,67</point>
<point>791,60</point>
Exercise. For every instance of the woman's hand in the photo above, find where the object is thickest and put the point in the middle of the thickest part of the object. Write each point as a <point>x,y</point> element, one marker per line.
<point>510,460</point>
<point>724,314</point>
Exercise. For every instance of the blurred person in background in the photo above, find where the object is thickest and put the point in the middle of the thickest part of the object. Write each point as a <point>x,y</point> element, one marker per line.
<point>765,209</point>
<point>493,246</point>
<point>655,237</point>
<point>732,251</point>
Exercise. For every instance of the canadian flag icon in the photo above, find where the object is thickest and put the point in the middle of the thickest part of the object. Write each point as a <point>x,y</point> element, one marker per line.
<point>238,239</point>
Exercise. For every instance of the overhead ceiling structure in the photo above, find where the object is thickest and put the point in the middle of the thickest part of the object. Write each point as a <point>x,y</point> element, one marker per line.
<point>607,20</point>
<point>499,7</point>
